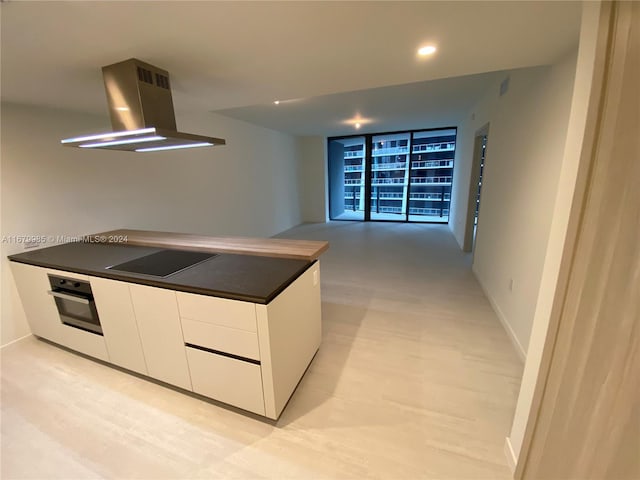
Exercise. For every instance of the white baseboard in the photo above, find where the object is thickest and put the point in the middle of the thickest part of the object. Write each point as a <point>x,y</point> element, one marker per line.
<point>510,454</point>
<point>16,340</point>
<point>503,320</point>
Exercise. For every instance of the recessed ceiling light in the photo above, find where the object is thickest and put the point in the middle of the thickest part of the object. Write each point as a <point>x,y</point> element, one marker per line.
<point>277,102</point>
<point>426,50</point>
<point>357,121</point>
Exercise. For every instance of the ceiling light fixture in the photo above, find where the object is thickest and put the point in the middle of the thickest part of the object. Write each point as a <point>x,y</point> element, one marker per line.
<point>110,135</point>
<point>277,102</point>
<point>126,141</point>
<point>357,125</point>
<point>426,50</point>
<point>173,147</point>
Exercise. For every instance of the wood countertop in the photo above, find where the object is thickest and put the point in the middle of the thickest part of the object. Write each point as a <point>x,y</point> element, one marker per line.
<point>265,247</point>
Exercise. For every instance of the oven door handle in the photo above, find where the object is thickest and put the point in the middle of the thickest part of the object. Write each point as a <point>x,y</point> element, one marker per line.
<point>66,296</point>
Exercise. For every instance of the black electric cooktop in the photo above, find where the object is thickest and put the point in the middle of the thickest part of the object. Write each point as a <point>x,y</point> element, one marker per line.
<point>163,263</point>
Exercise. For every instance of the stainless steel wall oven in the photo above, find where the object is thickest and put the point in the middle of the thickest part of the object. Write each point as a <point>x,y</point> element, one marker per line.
<point>75,303</point>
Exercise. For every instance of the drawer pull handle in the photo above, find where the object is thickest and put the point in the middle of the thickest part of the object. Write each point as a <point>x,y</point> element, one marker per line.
<point>224,354</point>
<point>66,296</point>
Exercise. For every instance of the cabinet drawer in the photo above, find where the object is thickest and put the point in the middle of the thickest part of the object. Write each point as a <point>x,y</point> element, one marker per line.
<point>218,311</point>
<point>227,380</point>
<point>84,342</point>
<point>223,339</point>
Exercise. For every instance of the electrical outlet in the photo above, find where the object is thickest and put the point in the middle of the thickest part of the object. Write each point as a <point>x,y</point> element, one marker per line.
<point>511,284</point>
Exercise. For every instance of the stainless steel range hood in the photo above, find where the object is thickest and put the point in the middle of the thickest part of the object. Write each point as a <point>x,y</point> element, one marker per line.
<point>141,109</point>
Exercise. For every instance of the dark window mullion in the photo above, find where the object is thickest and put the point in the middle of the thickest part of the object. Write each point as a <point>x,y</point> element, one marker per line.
<point>368,159</point>
<point>409,175</point>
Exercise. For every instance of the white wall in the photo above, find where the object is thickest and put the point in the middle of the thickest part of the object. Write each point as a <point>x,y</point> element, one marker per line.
<point>558,230</point>
<point>528,126</point>
<point>312,160</point>
<point>248,187</point>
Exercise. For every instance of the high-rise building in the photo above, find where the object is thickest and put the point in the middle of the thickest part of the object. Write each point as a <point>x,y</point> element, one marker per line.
<point>409,177</point>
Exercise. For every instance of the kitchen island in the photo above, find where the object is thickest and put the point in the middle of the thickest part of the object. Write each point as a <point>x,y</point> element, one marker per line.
<point>240,328</point>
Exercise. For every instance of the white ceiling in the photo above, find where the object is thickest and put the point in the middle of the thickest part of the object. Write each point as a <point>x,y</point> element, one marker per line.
<point>435,103</point>
<point>225,55</point>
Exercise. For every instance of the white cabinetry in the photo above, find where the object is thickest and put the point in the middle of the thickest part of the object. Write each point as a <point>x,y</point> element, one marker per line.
<point>222,349</point>
<point>223,339</point>
<point>156,311</point>
<point>232,336</point>
<point>84,342</point>
<point>219,324</point>
<point>218,311</point>
<point>228,380</point>
<point>42,314</point>
<point>32,284</point>
<point>289,332</point>
<point>248,355</point>
<point>118,320</point>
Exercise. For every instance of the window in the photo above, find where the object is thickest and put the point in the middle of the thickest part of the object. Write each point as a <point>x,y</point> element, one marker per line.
<point>405,176</point>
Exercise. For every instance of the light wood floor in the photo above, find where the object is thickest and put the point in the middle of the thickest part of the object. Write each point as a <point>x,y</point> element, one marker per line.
<point>415,378</point>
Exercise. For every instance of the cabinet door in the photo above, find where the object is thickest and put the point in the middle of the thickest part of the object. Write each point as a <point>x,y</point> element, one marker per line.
<point>113,302</point>
<point>156,312</point>
<point>39,307</point>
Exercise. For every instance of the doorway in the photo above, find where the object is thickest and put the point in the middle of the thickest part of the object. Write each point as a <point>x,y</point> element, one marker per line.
<point>475,188</point>
<point>347,172</point>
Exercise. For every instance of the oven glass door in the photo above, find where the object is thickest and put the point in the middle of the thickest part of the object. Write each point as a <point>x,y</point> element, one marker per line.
<point>77,311</point>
